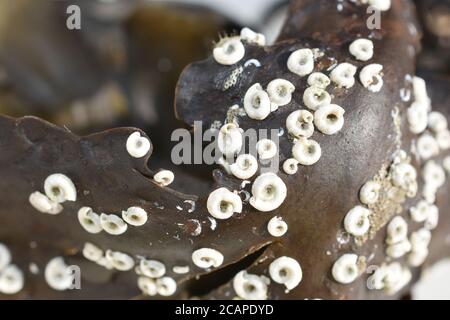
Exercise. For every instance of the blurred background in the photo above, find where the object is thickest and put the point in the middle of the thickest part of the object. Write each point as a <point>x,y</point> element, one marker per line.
<point>121,68</point>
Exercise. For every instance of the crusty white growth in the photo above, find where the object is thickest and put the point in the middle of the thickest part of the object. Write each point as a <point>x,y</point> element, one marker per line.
<point>369,192</point>
<point>166,286</point>
<point>314,97</point>
<point>433,174</point>
<point>437,121</point>
<point>59,188</point>
<point>398,250</point>
<point>300,123</point>
<point>344,75</point>
<point>89,220</point>
<point>135,216</point>
<point>229,51</point>
<point>290,166</point>
<point>427,146</point>
<point>43,204</point>
<point>164,177</point>
<point>244,167</point>
<point>447,164</point>
<point>257,103</point>
<point>345,270</point>
<point>147,286</point>
<point>206,258</point>
<point>105,263</point>
<point>420,239</point>
<point>329,119</point>
<point>357,222</point>
<point>371,77</point>
<point>397,230</point>
<point>229,140</point>
<point>382,5</point>
<point>266,149</point>
<point>137,146</point>
<point>152,268</point>
<point>113,224</point>
<point>253,37</point>
<point>433,218</point>
<point>417,116</point>
<point>250,286</point>
<point>403,175</point>
<point>277,227</point>
<point>11,280</point>
<point>301,62</point>
<point>180,269</point>
<point>362,49</point>
<point>287,271</point>
<point>119,260</point>
<point>57,274</point>
<point>306,151</point>
<point>222,203</point>
<point>92,252</point>
<point>319,80</point>
<point>280,91</point>
<point>268,192</point>
<point>421,211</point>
<point>420,92</point>
<point>5,256</point>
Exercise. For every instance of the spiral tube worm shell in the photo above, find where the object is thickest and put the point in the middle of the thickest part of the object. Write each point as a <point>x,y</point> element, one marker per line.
<point>152,268</point>
<point>306,151</point>
<point>356,222</point>
<point>135,216</point>
<point>229,51</point>
<point>318,80</point>
<point>344,75</point>
<point>287,271</point>
<point>229,140</point>
<point>370,192</point>
<point>266,149</point>
<point>137,146</point>
<point>397,230</point>
<point>119,260</point>
<point>280,91</point>
<point>362,49</point>
<point>253,37</point>
<point>57,274</point>
<point>250,286</point>
<point>11,280</point>
<point>92,252</point>
<point>257,103</point>
<point>268,192</point>
<point>290,166</point>
<point>113,224</point>
<point>89,220</point>
<point>277,227</point>
<point>166,286</point>
<point>206,258</point>
<point>5,256</point>
<point>345,270</point>
<point>314,97</point>
<point>59,188</point>
<point>300,124</point>
<point>244,167</point>
<point>329,119</point>
<point>222,203</point>
<point>164,177</point>
<point>371,77</point>
<point>43,204</point>
<point>301,62</point>
<point>147,286</point>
